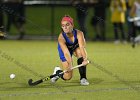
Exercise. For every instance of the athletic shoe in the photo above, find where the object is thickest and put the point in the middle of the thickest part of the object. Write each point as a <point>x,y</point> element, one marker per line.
<point>84,81</point>
<point>54,79</point>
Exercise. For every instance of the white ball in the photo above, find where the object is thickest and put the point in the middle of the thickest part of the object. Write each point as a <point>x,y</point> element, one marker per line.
<point>12,76</point>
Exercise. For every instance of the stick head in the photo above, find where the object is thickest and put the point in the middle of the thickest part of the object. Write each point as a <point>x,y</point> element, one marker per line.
<point>30,82</point>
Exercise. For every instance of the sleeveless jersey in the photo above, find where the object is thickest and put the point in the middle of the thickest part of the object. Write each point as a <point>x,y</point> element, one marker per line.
<point>70,45</point>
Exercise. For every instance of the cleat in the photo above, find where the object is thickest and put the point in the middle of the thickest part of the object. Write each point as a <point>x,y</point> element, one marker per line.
<point>54,79</point>
<point>84,81</point>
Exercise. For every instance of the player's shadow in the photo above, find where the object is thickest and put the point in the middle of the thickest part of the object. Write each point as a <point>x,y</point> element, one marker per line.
<point>6,86</point>
<point>91,81</point>
<point>96,81</point>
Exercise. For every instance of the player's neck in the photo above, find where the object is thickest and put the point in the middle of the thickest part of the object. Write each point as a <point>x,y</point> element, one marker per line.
<point>69,34</point>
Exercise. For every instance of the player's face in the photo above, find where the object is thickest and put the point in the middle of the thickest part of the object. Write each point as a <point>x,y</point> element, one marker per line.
<point>67,26</point>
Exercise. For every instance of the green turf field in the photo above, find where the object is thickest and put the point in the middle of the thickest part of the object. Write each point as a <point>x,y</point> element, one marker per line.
<point>115,76</point>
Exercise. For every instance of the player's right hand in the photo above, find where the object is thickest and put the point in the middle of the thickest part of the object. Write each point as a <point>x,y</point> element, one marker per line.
<point>85,62</point>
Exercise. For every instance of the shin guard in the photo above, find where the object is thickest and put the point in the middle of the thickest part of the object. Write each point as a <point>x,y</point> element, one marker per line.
<point>82,70</point>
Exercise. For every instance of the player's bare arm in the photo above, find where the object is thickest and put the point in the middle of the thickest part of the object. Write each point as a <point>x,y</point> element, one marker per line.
<point>64,48</point>
<point>82,45</point>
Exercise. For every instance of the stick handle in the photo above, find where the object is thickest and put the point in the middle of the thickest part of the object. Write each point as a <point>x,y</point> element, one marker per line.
<point>79,66</point>
<point>75,67</point>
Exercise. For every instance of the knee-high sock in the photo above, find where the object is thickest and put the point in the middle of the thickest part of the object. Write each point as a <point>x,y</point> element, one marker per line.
<point>82,69</point>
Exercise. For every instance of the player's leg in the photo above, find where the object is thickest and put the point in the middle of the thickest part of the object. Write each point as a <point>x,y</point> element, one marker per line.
<point>56,69</point>
<point>137,39</point>
<point>65,76</point>
<point>134,31</point>
<point>21,21</point>
<point>122,32</point>
<point>116,33</point>
<point>82,70</point>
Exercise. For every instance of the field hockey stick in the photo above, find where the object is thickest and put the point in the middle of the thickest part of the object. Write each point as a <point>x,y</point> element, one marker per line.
<point>31,83</point>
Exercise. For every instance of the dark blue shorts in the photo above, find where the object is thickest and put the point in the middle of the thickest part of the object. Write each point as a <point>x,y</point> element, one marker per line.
<point>61,54</point>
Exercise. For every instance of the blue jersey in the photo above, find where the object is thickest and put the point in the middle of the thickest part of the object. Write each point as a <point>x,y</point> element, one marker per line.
<point>70,45</point>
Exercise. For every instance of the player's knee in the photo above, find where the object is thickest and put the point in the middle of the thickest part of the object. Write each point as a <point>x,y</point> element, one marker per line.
<point>67,76</point>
